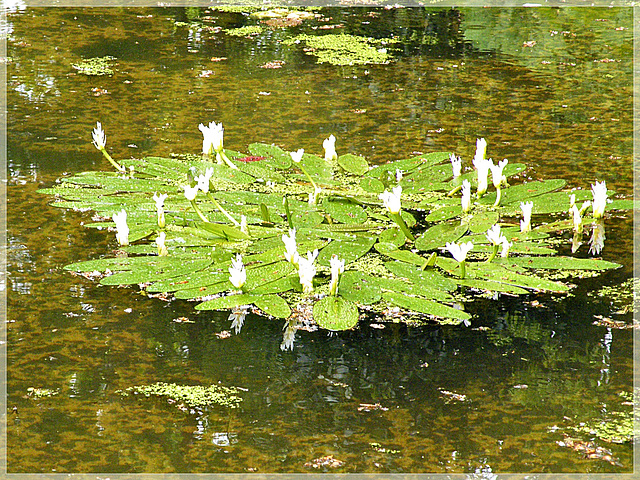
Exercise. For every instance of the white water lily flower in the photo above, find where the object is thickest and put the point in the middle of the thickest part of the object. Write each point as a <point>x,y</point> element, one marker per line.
<point>330,148</point>
<point>291,249</point>
<point>456,165</point>
<point>297,156</point>
<point>122,230</point>
<point>337,268</point>
<point>190,192</point>
<point>213,137</point>
<point>99,137</point>
<point>577,218</point>
<point>483,167</point>
<point>466,196</point>
<point>159,199</point>
<point>203,180</point>
<point>496,173</point>
<point>162,248</point>
<point>391,200</point>
<point>459,252</point>
<point>506,245</point>
<point>237,272</point>
<point>599,192</point>
<point>494,235</point>
<point>307,270</point>
<point>572,201</point>
<point>481,150</point>
<point>525,223</point>
<point>398,175</point>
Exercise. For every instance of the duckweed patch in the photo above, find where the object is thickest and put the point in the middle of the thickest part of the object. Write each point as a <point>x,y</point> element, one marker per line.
<point>34,392</point>
<point>345,49</point>
<point>96,66</point>
<point>193,396</point>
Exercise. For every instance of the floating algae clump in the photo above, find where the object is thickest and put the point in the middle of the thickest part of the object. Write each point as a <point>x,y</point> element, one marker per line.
<point>194,396</point>
<point>95,66</point>
<point>343,49</point>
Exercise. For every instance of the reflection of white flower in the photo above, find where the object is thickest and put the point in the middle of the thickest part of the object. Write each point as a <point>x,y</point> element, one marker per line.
<point>494,235</point>
<point>506,245</point>
<point>203,180</point>
<point>307,270</point>
<point>597,238</point>
<point>330,148</point>
<point>466,196</point>
<point>599,191</point>
<point>297,156</point>
<point>162,248</point>
<point>459,252</point>
<point>190,192</point>
<point>213,137</point>
<point>288,338</point>
<point>337,268</point>
<point>392,200</point>
<point>237,273</point>
<point>481,150</point>
<point>291,249</point>
<point>456,165</point>
<point>577,218</point>
<point>99,137</point>
<point>122,230</point>
<point>525,223</point>
<point>496,173</point>
<point>237,317</point>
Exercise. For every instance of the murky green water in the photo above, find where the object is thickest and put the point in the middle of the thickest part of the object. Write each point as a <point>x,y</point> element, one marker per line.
<point>495,397</point>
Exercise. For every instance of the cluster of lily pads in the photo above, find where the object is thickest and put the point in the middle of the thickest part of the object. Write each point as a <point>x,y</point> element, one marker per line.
<point>326,239</point>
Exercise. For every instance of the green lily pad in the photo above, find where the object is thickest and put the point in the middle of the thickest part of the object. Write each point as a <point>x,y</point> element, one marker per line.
<point>354,164</point>
<point>273,305</point>
<point>439,235</point>
<point>359,287</point>
<point>227,302</point>
<point>335,313</point>
<point>429,307</point>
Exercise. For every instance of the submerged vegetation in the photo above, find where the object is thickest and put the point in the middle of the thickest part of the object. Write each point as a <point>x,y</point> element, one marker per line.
<point>191,396</point>
<point>96,66</point>
<point>271,228</point>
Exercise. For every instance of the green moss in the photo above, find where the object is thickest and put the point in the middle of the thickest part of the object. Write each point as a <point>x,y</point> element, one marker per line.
<point>95,66</point>
<point>194,396</point>
<point>344,49</point>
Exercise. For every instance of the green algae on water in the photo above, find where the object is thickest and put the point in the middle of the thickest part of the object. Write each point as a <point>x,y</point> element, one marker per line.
<point>244,31</point>
<point>41,392</point>
<point>194,396</point>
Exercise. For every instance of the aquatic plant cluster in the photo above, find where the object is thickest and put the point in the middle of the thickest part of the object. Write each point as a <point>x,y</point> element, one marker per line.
<point>274,229</point>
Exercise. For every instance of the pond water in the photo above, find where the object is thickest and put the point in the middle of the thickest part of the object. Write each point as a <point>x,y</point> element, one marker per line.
<point>548,87</point>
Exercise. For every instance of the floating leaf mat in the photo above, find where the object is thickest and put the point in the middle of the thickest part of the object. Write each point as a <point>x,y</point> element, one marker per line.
<point>383,268</point>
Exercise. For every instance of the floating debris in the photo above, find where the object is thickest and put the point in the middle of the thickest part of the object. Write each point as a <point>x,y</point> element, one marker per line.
<point>328,461</point>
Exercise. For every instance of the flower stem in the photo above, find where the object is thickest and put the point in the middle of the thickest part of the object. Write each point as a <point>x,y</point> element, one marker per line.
<point>226,160</point>
<point>463,265</point>
<point>315,187</point>
<point>454,191</point>
<point>493,254</point>
<point>498,195</point>
<point>396,217</point>
<point>198,211</point>
<point>224,212</point>
<point>113,162</point>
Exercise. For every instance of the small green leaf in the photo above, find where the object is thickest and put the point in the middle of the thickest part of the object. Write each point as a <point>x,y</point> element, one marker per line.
<point>359,287</point>
<point>335,313</point>
<point>272,305</point>
<point>372,185</point>
<point>276,157</point>
<point>422,305</point>
<point>353,164</point>
<point>439,235</point>
<point>226,302</point>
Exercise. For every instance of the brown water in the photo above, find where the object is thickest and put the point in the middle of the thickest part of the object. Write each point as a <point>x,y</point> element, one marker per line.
<point>562,105</point>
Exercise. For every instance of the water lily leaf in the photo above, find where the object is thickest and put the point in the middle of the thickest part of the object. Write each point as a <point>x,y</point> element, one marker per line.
<point>276,157</point>
<point>224,231</point>
<point>359,287</point>
<point>344,211</point>
<point>422,305</point>
<point>280,285</point>
<point>259,172</point>
<point>204,291</point>
<point>390,250</point>
<point>353,164</point>
<point>491,286</point>
<point>272,305</point>
<point>428,278</point>
<point>621,204</point>
<point>349,251</point>
<point>444,213</point>
<point>155,269</point>
<point>560,263</point>
<point>226,302</point>
<point>261,275</point>
<point>317,168</point>
<point>393,235</point>
<point>483,221</point>
<point>371,185</point>
<point>335,313</point>
<point>401,286</point>
<point>523,192</point>
<point>439,235</point>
